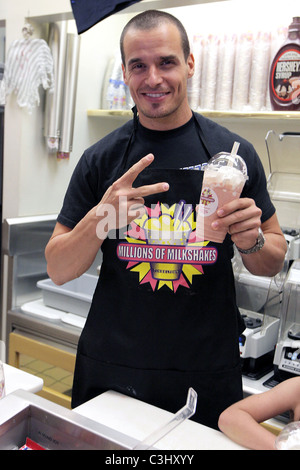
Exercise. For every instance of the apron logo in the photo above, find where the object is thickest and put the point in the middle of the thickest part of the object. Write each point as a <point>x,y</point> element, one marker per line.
<point>162,247</point>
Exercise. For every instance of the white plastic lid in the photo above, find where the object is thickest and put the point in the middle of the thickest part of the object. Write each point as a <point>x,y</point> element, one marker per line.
<point>231,160</point>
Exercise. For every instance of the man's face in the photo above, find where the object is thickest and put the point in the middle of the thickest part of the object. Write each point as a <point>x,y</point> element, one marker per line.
<point>156,73</point>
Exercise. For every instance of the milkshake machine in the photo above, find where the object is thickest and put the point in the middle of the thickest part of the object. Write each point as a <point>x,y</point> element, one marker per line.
<point>287,354</point>
<point>259,298</point>
<point>259,302</point>
<point>284,188</point>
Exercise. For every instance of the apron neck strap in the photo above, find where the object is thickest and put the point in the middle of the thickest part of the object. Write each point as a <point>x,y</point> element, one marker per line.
<point>202,137</point>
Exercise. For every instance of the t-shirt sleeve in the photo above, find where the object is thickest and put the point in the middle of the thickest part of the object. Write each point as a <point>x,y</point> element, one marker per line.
<point>100,165</point>
<point>256,187</point>
<point>81,195</point>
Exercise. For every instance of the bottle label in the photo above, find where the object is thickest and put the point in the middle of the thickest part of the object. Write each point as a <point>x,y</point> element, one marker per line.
<point>285,81</point>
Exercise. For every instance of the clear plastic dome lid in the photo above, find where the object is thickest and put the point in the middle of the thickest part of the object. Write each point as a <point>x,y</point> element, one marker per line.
<point>289,438</point>
<point>230,160</point>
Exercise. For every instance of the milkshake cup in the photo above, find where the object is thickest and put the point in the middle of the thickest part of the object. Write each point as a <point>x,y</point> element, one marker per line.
<point>289,437</point>
<point>223,181</point>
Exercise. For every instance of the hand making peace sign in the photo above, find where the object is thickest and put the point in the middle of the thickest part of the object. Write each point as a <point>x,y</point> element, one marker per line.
<point>124,201</point>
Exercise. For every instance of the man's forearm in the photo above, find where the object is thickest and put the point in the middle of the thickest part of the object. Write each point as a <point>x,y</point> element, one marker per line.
<point>269,260</point>
<point>70,253</point>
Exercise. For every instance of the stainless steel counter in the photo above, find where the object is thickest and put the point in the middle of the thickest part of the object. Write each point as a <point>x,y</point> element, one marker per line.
<point>54,330</point>
<point>23,414</point>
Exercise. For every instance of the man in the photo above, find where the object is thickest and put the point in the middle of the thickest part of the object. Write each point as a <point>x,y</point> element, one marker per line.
<point>163,316</point>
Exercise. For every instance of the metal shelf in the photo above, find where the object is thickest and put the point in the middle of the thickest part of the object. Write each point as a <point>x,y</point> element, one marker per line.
<point>210,114</point>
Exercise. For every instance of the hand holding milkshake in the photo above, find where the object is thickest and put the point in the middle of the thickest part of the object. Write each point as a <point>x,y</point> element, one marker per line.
<point>223,181</point>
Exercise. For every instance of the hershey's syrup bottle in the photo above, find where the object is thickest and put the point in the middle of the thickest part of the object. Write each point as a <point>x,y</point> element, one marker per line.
<point>284,82</point>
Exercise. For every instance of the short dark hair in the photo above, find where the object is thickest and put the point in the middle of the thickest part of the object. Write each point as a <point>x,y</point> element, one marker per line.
<point>150,19</point>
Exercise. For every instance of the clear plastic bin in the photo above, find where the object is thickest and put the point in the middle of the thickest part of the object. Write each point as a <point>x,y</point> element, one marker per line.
<point>72,297</point>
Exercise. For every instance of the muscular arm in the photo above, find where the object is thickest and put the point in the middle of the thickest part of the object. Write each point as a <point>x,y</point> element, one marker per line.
<point>242,219</point>
<point>70,252</point>
<point>241,421</point>
<point>269,260</point>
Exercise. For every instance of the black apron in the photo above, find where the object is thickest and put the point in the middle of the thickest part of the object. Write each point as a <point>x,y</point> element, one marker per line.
<point>163,316</point>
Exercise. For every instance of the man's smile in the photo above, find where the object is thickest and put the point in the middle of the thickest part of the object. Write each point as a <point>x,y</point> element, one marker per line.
<point>155,95</point>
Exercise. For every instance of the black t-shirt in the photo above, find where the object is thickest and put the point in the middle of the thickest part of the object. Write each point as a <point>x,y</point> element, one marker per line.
<point>176,148</point>
<point>103,162</point>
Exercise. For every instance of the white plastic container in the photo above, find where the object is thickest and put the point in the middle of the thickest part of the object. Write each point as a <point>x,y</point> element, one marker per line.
<point>72,297</point>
